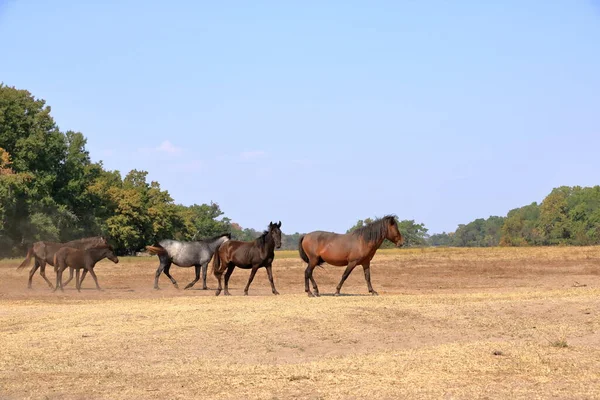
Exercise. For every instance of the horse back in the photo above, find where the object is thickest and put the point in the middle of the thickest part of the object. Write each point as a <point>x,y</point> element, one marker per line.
<point>87,243</point>
<point>333,248</point>
<point>45,251</point>
<point>236,251</point>
<point>69,256</point>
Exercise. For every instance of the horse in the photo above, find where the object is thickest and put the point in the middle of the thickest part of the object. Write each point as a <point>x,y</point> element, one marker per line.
<point>185,254</point>
<point>256,254</point>
<point>350,249</point>
<point>43,252</point>
<point>81,259</point>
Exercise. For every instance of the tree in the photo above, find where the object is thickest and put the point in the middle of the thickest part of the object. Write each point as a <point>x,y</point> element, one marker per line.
<point>519,228</point>
<point>10,184</point>
<point>553,220</point>
<point>440,239</point>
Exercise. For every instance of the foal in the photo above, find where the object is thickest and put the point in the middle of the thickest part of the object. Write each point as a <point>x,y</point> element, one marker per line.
<point>248,255</point>
<point>81,259</point>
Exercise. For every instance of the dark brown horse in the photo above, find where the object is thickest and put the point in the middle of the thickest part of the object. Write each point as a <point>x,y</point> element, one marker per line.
<point>352,249</point>
<point>43,252</point>
<point>81,259</point>
<point>256,254</point>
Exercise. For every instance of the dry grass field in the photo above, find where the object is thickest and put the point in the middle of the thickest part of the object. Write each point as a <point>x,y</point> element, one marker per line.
<point>448,324</point>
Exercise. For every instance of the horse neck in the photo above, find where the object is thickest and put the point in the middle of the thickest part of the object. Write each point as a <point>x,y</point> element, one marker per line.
<point>97,254</point>
<point>269,246</point>
<point>374,245</point>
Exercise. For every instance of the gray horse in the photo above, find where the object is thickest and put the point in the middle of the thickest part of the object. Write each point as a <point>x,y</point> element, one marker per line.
<point>185,254</point>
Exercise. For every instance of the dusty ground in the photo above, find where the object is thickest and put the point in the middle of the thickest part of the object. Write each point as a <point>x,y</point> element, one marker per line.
<point>432,333</point>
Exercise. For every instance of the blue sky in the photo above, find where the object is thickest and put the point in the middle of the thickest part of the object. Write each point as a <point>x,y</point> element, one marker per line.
<point>321,113</point>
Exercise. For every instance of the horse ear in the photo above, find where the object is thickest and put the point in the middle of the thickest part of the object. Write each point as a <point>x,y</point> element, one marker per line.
<point>279,225</point>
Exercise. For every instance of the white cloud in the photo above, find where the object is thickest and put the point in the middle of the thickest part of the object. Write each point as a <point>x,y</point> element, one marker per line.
<point>165,147</point>
<point>168,147</point>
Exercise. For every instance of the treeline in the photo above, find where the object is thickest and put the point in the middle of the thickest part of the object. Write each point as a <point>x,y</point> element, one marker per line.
<point>567,216</point>
<point>51,190</point>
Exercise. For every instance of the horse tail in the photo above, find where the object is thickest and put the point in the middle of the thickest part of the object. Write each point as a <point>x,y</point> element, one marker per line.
<point>55,259</point>
<point>27,259</point>
<point>301,250</point>
<point>158,249</point>
<point>216,264</point>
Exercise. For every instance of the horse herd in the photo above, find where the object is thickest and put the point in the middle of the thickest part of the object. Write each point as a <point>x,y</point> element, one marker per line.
<point>351,249</point>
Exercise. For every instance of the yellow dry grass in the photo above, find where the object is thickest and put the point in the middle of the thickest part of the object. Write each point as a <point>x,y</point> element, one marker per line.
<point>450,323</point>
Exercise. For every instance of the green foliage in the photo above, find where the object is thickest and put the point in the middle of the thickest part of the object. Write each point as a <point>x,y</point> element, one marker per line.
<point>50,189</point>
<point>415,235</point>
<point>479,233</point>
<point>441,239</point>
<point>520,227</point>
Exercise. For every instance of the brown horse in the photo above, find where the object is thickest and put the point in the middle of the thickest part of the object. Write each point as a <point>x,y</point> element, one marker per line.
<point>256,254</point>
<point>352,249</point>
<point>43,252</point>
<point>81,259</point>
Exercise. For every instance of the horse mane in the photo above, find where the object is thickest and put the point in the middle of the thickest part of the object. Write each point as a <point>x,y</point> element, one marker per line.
<point>261,241</point>
<point>87,240</point>
<point>102,247</point>
<point>376,230</point>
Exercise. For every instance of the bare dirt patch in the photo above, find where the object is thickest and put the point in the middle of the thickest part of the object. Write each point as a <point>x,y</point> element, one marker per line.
<point>449,323</point>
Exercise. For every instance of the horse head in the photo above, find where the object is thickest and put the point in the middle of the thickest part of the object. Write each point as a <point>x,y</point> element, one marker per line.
<point>276,233</point>
<point>393,233</point>
<point>109,253</point>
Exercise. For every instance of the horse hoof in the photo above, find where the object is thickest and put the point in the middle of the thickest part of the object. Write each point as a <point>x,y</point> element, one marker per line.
<point>227,294</point>
<point>205,288</point>
<point>336,294</point>
<point>245,293</point>
<point>187,287</point>
<point>276,293</point>
<point>176,286</point>
<point>310,294</point>
<point>374,293</point>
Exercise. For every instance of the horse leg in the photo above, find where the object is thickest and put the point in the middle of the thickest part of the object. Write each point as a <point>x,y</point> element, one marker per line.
<point>308,276</point>
<point>93,274</point>
<point>77,283</point>
<point>43,274</point>
<point>250,279</point>
<point>161,266</point>
<point>192,283</point>
<point>35,267</point>
<point>218,275</point>
<point>82,277</point>
<point>347,272</point>
<point>204,271</point>
<point>230,269</point>
<point>314,284</point>
<point>59,272</point>
<point>70,276</point>
<point>270,274</point>
<point>367,269</point>
<point>166,272</point>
